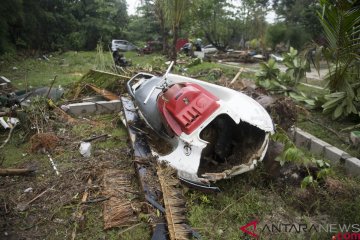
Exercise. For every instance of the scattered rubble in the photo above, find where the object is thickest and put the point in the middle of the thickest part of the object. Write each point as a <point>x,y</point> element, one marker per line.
<point>236,56</point>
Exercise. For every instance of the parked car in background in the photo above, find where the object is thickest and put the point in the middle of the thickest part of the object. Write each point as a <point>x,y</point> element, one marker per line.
<point>122,45</point>
<point>209,49</point>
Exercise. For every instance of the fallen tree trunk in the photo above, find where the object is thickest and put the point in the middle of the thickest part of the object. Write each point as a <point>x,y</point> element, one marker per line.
<point>15,171</point>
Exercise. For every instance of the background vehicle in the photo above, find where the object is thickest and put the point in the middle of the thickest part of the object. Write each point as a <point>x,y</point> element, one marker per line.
<point>209,49</point>
<point>123,45</point>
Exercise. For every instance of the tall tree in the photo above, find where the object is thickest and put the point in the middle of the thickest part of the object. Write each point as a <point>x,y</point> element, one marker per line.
<point>175,11</point>
<point>252,14</point>
<point>60,24</point>
<point>300,19</point>
<point>10,21</point>
<point>216,21</point>
<point>159,6</point>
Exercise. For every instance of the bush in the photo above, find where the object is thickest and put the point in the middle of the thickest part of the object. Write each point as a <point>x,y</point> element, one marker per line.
<point>75,41</point>
<point>275,34</point>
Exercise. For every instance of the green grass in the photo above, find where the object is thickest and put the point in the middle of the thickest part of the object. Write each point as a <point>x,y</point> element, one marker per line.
<point>13,153</point>
<point>141,60</point>
<point>68,67</point>
<point>321,130</point>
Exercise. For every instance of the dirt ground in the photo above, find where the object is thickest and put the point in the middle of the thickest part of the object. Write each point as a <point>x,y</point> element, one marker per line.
<point>43,205</point>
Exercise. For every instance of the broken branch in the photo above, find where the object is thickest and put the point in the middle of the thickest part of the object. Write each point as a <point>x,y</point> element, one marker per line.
<point>80,212</point>
<point>236,76</point>
<point>96,137</point>
<point>22,207</point>
<point>51,85</point>
<point>329,129</point>
<point>15,171</point>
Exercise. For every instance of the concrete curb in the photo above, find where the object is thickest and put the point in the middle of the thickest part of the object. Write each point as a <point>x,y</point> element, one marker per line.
<point>325,150</point>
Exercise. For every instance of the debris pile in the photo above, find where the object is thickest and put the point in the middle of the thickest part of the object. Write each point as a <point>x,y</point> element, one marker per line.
<point>81,159</point>
<point>236,56</point>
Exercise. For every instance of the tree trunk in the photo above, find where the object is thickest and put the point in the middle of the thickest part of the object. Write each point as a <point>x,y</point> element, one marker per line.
<point>164,38</point>
<point>173,47</point>
<point>161,17</point>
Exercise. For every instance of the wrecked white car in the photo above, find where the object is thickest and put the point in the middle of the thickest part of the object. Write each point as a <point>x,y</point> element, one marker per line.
<point>215,132</point>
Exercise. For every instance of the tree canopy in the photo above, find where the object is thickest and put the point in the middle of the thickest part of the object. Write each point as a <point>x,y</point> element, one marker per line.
<point>50,25</point>
<point>60,24</point>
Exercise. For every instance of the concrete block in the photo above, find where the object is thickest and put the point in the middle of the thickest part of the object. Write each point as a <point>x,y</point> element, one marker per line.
<point>302,139</point>
<point>317,146</point>
<point>352,166</point>
<point>333,154</point>
<point>90,108</point>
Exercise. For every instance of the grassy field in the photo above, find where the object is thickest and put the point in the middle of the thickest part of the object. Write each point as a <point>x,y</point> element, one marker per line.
<point>261,194</point>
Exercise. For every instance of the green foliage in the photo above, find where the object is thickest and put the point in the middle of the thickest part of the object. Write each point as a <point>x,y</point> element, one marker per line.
<point>297,36</point>
<point>275,34</point>
<point>268,71</point>
<point>309,102</point>
<point>214,22</point>
<point>57,24</point>
<point>254,43</point>
<point>292,154</point>
<point>300,19</point>
<point>271,78</point>
<point>341,24</point>
<point>342,104</point>
<point>296,66</point>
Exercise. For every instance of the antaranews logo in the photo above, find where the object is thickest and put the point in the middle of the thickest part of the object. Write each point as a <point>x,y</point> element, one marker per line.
<point>340,231</point>
<point>248,225</point>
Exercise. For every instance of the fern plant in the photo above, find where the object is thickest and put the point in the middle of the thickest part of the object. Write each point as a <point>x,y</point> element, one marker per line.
<point>341,24</point>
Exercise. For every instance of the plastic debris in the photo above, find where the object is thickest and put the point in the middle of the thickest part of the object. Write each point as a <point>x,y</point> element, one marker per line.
<point>28,190</point>
<point>85,149</point>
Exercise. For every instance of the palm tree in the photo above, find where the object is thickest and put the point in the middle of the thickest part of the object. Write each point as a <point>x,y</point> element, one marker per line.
<point>174,12</point>
<point>341,23</point>
<point>160,14</point>
<point>340,20</point>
